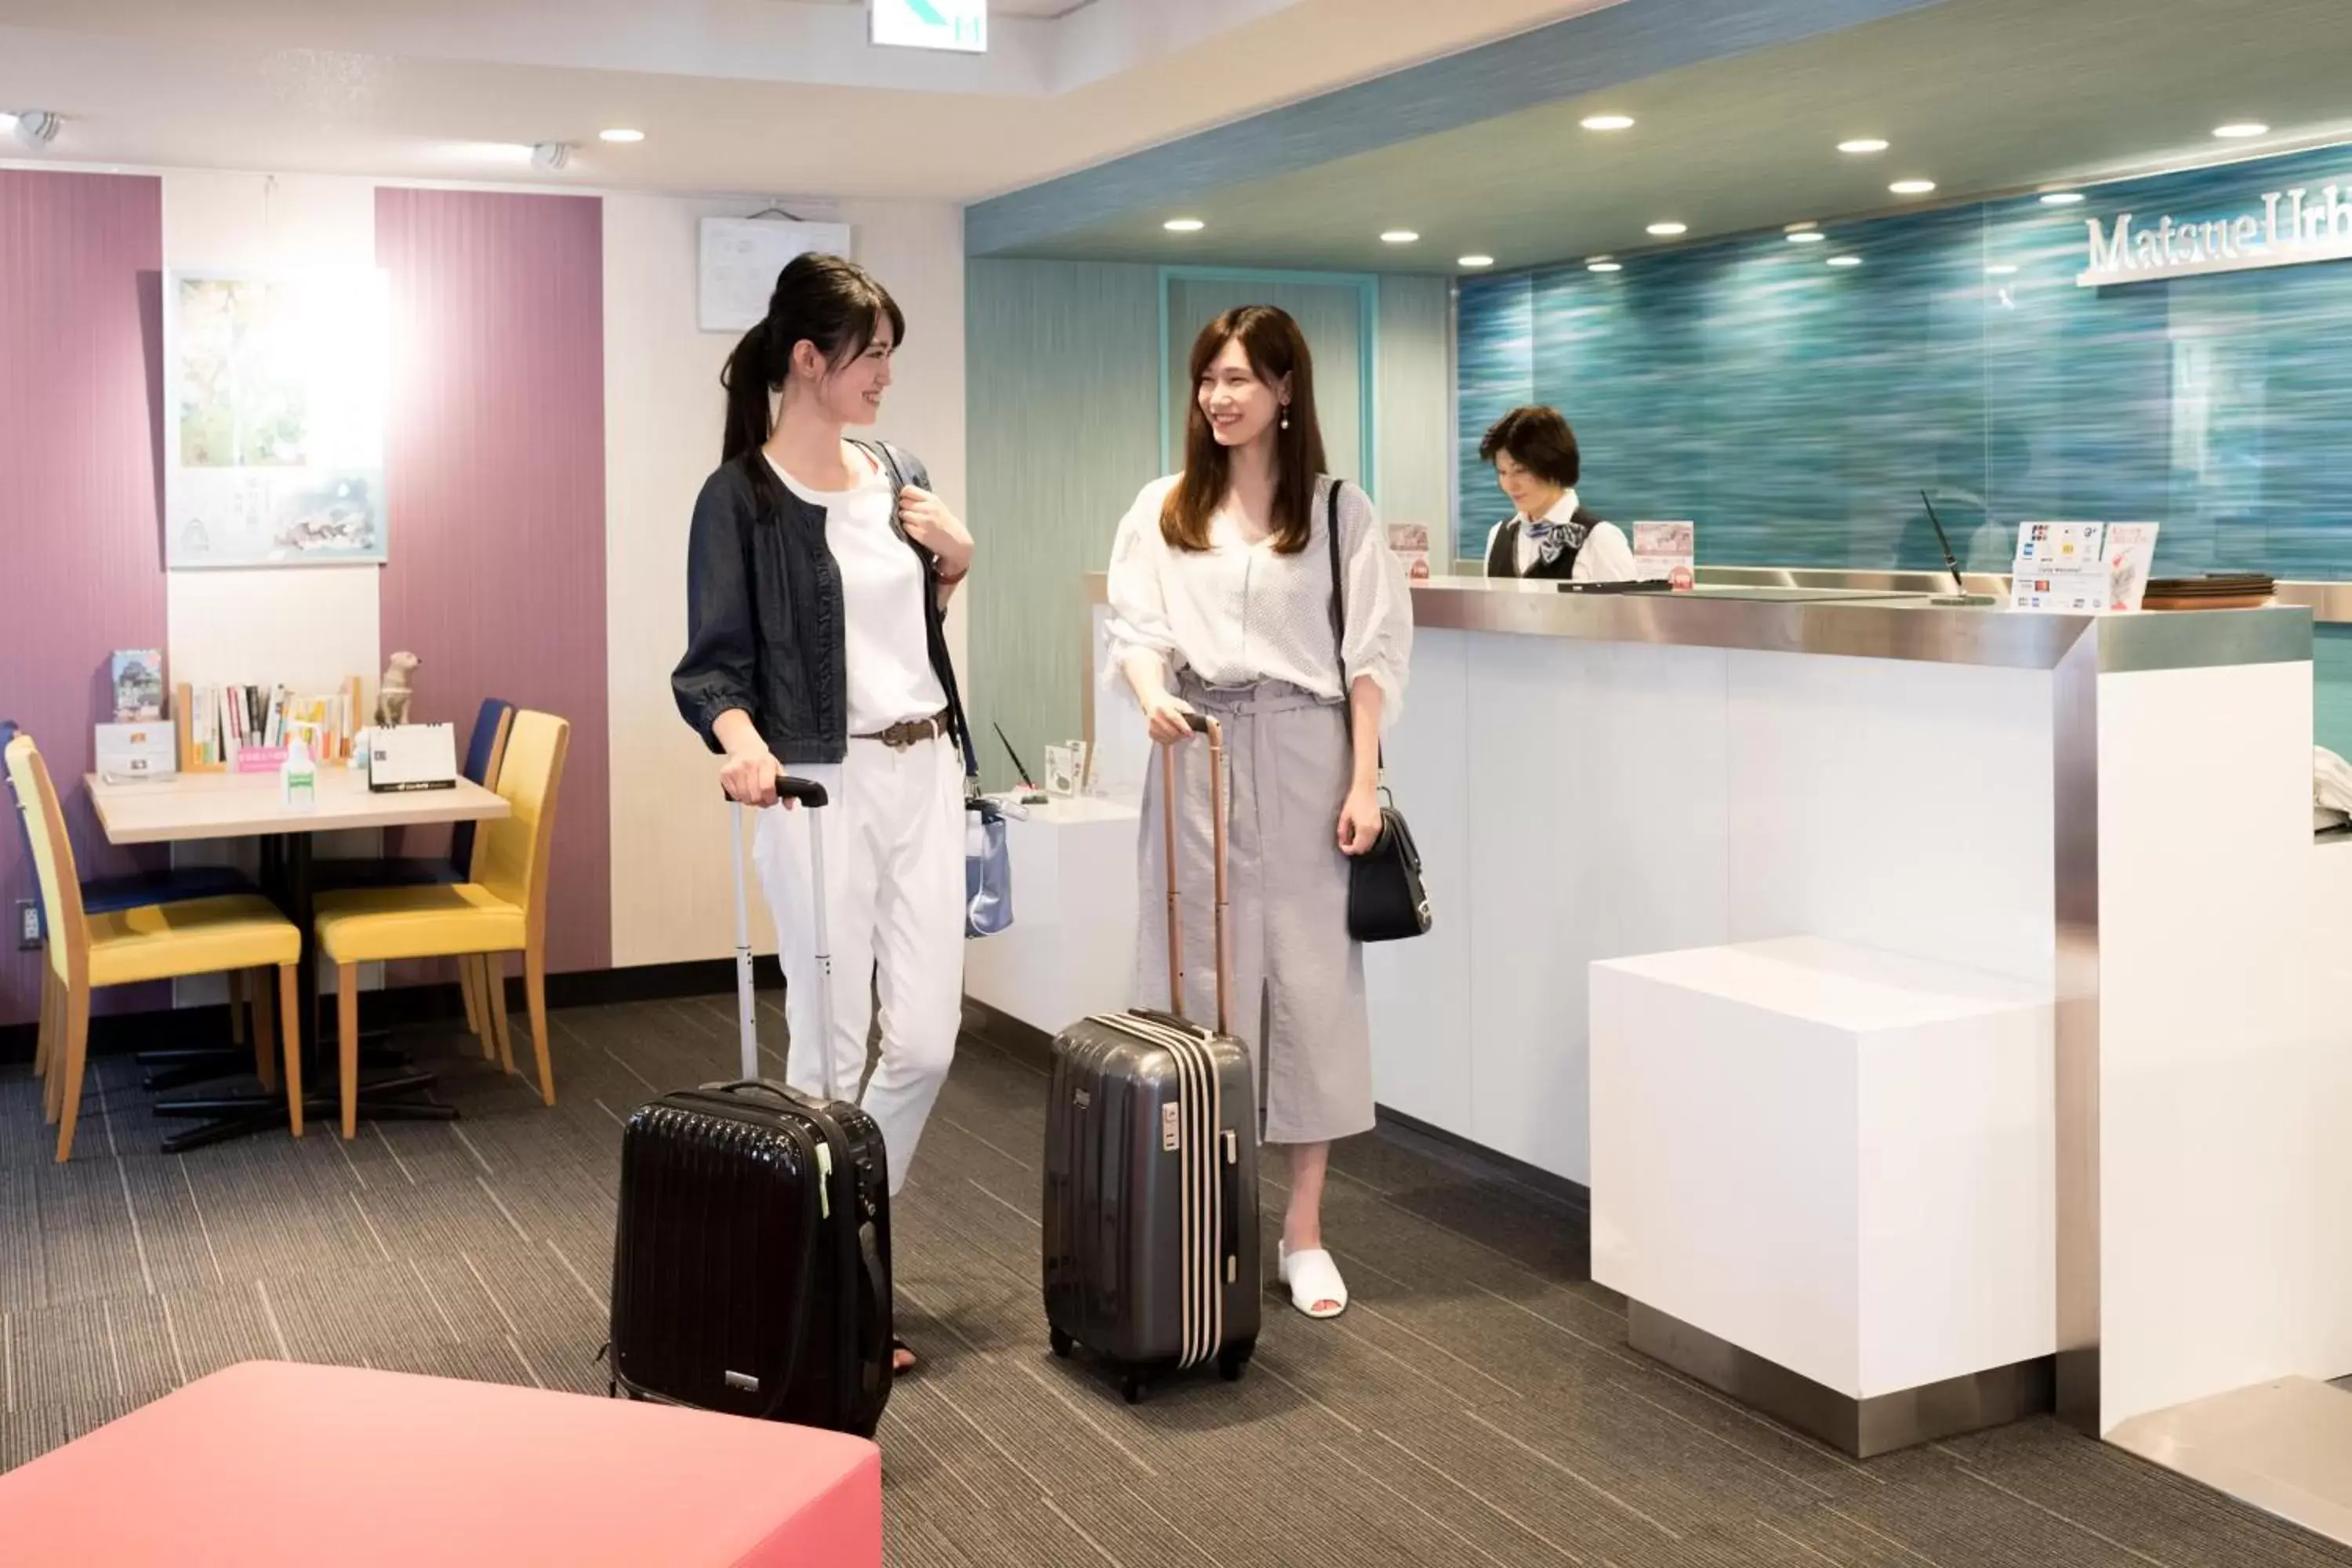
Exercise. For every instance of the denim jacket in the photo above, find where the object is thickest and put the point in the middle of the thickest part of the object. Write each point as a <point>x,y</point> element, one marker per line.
<point>764,614</point>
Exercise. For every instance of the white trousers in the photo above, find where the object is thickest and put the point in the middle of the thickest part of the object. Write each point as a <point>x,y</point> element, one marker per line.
<point>894,834</point>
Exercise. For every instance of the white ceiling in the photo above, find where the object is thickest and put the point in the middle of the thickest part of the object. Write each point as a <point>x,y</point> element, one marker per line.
<point>765,96</point>
<point>1979,95</point>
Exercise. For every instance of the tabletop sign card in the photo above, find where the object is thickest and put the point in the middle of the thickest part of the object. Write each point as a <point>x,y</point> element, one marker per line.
<point>2081,568</point>
<point>1666,553</point>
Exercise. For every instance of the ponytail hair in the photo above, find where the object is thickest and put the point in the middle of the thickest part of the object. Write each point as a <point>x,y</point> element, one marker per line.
<point>828,302</point>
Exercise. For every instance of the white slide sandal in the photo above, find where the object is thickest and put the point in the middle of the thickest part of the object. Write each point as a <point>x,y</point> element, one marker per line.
<point>1313,1278</point>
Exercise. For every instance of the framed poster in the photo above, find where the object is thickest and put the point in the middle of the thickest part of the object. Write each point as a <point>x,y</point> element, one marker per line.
<point>739,262</point>
<point>274,418</point>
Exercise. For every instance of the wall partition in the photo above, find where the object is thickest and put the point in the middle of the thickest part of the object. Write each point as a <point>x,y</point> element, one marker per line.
<point>1796,407</point>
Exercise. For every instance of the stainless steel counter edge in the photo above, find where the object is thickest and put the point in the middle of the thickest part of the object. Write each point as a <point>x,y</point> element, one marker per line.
<point>1889,627</point>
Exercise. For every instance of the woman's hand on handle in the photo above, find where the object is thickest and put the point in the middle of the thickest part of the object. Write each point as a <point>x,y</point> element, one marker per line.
<point>751,779</point>
<point>1360,820</point>
<point>1170,718</point>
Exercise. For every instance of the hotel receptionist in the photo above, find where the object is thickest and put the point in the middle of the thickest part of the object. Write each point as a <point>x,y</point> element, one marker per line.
<point>1551,536</point>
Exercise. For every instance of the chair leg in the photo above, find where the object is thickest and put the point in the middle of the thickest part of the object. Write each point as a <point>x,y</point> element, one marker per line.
<point>76,1049</point>
<point>265,1032</point>
<point>478,967</point>
<point>290,1036</point>
<point>237,1006</point>
<point>52,1020</point>
<point>494,988</point>
<point>53,1081</point>
<point>534,975</point>
<point>347,1047</point>
<point>473,1002</point>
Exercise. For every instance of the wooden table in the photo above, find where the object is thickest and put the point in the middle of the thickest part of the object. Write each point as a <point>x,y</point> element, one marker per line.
<point>187,807</point>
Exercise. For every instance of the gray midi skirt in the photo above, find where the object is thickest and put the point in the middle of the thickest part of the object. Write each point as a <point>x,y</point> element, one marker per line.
<point>1297,996</point>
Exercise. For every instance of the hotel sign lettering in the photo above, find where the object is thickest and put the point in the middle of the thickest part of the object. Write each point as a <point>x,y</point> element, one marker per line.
<point>2288,229</point>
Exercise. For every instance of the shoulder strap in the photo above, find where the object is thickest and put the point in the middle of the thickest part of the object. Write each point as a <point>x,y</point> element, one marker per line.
<point>1338,604</point>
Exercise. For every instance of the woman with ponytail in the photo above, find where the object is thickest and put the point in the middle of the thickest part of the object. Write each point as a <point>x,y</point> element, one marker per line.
<point>818,575</point>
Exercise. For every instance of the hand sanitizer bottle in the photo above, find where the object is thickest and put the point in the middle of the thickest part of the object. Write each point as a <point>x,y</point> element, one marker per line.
<point>297,777</point>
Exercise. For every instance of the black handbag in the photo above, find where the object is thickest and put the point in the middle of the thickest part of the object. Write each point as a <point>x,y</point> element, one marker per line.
<point>1386,900</point>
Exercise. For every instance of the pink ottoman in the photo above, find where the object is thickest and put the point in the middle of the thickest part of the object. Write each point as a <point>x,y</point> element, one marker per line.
<point>279,1463</point>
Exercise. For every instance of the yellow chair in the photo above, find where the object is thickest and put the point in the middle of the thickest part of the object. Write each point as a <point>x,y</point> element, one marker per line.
<point>155,942</point>
<point>503,910</point>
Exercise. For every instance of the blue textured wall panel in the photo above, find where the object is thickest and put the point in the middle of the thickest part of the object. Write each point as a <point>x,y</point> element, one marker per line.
<point>1796,410</point>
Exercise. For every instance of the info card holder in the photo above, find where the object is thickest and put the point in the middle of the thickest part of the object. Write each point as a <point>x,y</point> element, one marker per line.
<point>413,756</point>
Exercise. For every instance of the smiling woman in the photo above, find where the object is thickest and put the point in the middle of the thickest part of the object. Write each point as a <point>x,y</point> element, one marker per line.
<point>1231,597</point>
<point>819,571</point>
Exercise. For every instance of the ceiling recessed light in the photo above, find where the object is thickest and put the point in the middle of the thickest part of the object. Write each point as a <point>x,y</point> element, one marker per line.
<point>2000,269</point>
<point>2239,129</point>
<point>1912,187</point>
<point>1862,144</point>
<point>1801,227</point>
<point>1604,265</point>
<point>1807,236</point>
<point>1476,261</point>
<point>1668,230</point>
<point>1400,237</point>
<point>1607,122</point>
<point>2062,199</point>
<point>620,133</point>
<point>1183,225</point>
<point>1843,261</point>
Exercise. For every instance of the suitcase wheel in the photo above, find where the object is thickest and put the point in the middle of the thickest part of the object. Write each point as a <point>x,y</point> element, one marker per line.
<point>1133,1388</point>
<point>1063,1343</point>
<point>1233,1357</point>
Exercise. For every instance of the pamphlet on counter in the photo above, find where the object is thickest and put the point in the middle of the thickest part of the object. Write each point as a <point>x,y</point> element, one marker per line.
<point>1666,553</point>
<point>2081,568</point>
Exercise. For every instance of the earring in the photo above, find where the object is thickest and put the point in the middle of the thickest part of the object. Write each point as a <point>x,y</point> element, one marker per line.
<point>1285,415</point>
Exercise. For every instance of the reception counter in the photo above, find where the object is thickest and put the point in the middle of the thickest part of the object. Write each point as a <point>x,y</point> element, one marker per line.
<point>2112,813</point>
<point>2103,819</point>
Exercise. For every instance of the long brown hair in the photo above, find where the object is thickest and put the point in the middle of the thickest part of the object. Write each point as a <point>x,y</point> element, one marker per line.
<point>1277,348</point>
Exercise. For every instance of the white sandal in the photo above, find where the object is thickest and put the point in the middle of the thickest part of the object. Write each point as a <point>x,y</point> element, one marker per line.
<point>1313,1278</point>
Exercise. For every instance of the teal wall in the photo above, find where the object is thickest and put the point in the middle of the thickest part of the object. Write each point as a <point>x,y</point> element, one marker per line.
<point>1063,405</point>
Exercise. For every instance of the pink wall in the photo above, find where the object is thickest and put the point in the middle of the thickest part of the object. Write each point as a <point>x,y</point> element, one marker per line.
<point>495,487</point>
<point>80,514</point>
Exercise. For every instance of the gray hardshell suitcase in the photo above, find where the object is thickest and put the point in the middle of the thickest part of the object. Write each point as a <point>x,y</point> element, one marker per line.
<point>1151,1206</point>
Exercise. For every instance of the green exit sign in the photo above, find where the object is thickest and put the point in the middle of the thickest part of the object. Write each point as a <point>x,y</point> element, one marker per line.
<point>960,24</point>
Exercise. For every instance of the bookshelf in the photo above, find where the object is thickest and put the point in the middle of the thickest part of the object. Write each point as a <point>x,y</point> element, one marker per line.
<point>219,723</point>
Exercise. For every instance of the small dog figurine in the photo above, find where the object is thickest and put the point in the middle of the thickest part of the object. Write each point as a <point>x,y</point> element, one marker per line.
<point>392,697</point>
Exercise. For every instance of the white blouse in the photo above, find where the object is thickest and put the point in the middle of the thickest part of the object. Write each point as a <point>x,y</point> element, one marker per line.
<point>1238,612</point>
<point>885,644</point>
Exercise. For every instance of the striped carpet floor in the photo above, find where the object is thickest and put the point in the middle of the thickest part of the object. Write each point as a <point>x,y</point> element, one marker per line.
<point>1477,1406</point>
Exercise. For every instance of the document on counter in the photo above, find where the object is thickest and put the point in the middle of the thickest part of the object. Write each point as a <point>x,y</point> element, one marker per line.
<point>2081,568</point>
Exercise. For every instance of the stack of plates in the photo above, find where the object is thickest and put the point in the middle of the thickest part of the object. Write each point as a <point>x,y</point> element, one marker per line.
<point>2226,591</point>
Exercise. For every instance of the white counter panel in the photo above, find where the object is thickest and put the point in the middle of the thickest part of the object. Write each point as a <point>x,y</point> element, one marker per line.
<point>2225,1084</point>
<point>1904,805</point>
<point>1420,991</point>
<point>1598,780</point>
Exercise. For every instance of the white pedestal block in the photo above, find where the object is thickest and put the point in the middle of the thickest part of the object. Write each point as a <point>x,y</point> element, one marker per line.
<point>1834,1162</point>
<point>1071,948</point>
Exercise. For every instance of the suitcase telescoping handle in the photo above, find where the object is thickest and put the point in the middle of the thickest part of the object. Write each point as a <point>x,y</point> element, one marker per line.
<point>1202,724</point>
<point>811,794</point>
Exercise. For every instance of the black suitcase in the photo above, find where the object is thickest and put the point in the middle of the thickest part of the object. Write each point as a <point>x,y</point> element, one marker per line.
<point>1150,1204</point>
<point>751,1261</point>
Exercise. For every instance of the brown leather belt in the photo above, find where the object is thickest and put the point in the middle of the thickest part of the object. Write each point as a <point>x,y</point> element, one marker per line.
<point>909,731</point>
